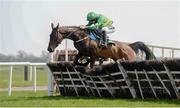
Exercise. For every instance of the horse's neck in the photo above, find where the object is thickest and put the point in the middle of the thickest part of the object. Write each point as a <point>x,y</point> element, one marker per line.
<point>73,33</point>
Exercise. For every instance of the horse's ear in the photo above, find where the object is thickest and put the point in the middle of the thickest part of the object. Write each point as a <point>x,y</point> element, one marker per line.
<point>57,26</point>
<point>52,25</point>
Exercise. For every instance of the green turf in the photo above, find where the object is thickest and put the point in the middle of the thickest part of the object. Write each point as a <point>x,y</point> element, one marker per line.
<point>40,99</point>
<point>18,77</point>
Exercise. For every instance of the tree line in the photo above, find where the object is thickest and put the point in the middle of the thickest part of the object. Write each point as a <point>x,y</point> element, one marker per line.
<point>23,56</point>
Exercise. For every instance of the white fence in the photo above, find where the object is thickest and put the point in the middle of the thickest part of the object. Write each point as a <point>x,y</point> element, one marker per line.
<point>173,52</point>
<point>33,68</point>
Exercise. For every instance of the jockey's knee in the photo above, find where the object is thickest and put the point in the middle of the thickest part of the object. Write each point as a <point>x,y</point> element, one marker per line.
<point>109,29</point>
<point>105,29</point>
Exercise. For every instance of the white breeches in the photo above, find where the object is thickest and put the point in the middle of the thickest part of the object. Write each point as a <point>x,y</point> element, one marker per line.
<point>109,29</point>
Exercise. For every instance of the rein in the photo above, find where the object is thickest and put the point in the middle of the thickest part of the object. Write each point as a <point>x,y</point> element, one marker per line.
<point>71,33</point>
<point>79,39</point>
<point>82,39</point>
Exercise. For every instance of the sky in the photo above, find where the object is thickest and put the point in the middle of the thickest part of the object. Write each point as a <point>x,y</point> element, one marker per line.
<point>26,24</point>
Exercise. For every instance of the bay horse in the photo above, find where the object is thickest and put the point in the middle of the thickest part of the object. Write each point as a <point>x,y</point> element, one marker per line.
<point>90,48</point>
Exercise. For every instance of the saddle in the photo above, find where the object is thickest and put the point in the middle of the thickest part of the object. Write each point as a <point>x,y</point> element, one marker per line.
<point>97,35</point>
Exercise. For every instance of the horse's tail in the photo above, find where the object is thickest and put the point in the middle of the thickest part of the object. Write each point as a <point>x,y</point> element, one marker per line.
<point>141,46</point>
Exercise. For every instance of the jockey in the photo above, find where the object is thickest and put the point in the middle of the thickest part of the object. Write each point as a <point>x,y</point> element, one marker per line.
<point>99,22</point>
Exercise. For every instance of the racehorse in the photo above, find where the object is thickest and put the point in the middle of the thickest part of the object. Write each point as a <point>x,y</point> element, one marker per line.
<point>90,48</point>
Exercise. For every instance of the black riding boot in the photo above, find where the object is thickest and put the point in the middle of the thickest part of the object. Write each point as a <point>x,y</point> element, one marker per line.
<point>104,39</point>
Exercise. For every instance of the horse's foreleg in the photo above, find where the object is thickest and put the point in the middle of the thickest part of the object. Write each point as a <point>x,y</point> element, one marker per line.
<point>93,59</point>
<point>101,60</point>
<point>77,58</point>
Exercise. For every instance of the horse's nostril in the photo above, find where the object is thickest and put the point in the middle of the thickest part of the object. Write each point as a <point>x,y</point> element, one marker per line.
<point>49,49</point>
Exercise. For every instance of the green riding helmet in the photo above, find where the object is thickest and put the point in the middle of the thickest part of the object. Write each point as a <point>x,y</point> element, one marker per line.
<point>91,16</point>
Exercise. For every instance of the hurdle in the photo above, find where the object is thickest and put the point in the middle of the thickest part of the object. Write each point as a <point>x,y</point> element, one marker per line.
<point>142,79</point>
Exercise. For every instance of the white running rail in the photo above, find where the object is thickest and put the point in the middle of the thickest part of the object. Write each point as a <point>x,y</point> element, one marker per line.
<point>33,67</point>
<point>162,49</point>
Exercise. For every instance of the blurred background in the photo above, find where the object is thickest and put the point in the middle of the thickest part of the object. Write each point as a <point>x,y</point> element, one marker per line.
<point>25,24</point>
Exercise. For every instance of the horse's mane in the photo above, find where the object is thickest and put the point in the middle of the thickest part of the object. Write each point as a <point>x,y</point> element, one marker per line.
<point>69,26</point>
<point>74,28</point>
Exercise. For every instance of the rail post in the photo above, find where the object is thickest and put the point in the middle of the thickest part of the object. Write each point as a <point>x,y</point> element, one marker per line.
<point>50,79</point>
<point>66,53</point>
<point>35,88</point>
<point>10,81</point>
<point>30,74</point>
<point>25,73</point>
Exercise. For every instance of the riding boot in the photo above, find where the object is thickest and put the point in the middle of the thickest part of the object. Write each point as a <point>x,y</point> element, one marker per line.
<point>104,39</point>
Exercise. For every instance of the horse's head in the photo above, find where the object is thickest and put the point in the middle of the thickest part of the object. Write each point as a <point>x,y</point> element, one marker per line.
<point>55,38</point>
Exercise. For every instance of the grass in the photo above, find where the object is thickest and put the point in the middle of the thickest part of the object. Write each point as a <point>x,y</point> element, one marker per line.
<point>18,77</point>
<point>40,99</point>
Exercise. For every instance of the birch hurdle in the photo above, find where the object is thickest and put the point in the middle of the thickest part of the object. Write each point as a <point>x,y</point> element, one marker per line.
<point>142,79</point>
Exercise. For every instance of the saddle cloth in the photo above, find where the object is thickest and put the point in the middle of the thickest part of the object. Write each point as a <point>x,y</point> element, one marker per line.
<point>94,36</point>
